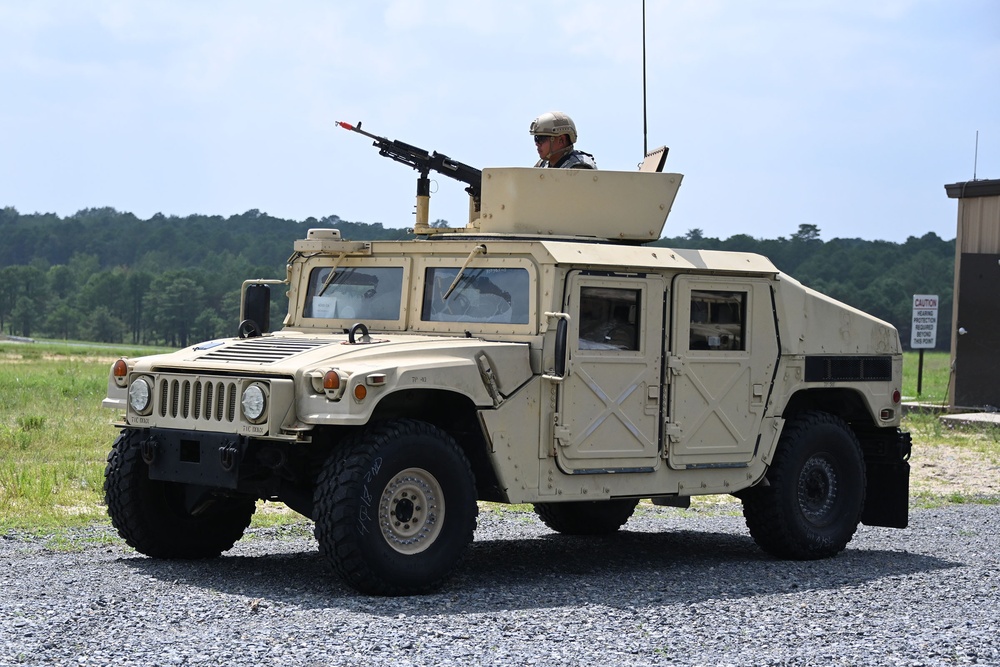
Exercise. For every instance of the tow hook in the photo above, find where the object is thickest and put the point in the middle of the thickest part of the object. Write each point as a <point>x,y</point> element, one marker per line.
<point>147,448</point>
<point>228,456</point>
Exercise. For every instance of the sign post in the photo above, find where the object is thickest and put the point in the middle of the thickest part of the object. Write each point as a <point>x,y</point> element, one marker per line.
<point>923,330</point>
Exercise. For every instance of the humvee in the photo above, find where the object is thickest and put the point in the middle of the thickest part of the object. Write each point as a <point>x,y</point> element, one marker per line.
<point>541,354</point>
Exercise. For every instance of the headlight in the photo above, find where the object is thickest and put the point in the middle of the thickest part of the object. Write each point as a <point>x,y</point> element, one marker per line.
<point>139,393</point>
<point>254,402</point>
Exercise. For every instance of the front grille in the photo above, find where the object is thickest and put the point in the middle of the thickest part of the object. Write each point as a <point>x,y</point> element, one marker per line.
<point>829,368</point>
<point>207,400</point>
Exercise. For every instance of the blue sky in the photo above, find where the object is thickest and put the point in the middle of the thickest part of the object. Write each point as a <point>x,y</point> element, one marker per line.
<point>847,115</point>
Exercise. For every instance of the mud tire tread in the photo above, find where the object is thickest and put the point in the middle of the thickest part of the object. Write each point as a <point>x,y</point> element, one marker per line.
<point>144,516</point>
<point>773,510</point>
<point>353,546</point>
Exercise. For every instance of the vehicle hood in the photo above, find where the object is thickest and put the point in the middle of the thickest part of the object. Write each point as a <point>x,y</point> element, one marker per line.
<point>289,354</point>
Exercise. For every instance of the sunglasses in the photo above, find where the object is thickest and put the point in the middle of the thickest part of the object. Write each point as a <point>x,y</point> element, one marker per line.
<point>541,139</point>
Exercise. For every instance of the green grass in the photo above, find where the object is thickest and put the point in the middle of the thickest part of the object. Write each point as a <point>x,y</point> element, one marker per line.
<point>54,435</point>
<point>934,380</point>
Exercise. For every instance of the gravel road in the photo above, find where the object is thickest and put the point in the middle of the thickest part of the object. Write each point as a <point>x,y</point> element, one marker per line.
<point>672,589</point>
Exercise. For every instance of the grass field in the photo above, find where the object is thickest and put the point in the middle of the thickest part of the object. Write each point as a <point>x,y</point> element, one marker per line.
<point>936,374</point>
<point>54,436</point>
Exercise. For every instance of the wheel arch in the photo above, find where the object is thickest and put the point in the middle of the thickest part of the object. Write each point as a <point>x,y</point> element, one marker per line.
<point>454,413</point>
<point>845,403</point>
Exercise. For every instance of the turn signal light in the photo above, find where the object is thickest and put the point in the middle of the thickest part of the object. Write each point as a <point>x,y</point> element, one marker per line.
<point>119,371</point>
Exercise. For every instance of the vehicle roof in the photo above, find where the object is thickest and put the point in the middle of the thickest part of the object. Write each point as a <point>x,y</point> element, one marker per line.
<point>613,256</point>
<point>566,251</point>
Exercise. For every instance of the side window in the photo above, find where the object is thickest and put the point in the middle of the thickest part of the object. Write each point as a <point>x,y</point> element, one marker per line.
<point>609,318</point>
<point>718,320</point>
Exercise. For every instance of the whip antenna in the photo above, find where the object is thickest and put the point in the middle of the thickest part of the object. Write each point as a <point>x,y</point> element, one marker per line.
<point>975,160</point>
<point>645,145</point>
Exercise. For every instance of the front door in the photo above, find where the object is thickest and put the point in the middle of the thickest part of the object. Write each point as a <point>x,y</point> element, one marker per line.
<point>609,402</point>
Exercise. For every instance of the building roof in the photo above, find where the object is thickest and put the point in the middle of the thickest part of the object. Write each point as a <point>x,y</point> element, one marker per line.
<point>977,188</point>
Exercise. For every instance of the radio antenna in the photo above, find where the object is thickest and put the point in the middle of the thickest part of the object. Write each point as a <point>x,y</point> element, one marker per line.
<point>975,161</point>
<point>645,145</point>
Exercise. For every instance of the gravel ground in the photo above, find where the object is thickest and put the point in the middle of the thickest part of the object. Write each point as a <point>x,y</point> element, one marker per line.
<point>672,589</point>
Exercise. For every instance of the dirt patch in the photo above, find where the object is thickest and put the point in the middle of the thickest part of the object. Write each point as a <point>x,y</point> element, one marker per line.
<point>14,358</point>
<point>77,357</point>
<point>945,470</point>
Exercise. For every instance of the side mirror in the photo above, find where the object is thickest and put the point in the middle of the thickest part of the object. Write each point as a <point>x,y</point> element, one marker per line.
<point>257,306</point>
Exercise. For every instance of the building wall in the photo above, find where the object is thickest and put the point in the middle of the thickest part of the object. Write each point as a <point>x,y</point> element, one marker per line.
<point>979,225</point>
<point>975,355</point>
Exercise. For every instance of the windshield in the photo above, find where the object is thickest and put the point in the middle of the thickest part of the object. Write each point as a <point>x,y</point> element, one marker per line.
<point>481,295</point>
<point>364,293</point>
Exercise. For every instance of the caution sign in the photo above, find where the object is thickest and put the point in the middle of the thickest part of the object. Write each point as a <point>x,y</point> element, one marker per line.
<point>923,333</point>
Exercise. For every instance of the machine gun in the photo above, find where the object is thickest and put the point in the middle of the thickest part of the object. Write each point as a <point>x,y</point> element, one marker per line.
<point>424,162</point>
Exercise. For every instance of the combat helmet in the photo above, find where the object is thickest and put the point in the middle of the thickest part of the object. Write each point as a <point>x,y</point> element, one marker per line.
<point>553,124</point>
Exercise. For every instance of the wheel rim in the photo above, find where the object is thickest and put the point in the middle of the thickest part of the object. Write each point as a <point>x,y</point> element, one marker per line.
<point>411,511</point>
<point>817,490</point>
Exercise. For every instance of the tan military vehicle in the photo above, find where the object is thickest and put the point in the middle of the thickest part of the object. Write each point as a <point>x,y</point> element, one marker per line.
<point>539,355</point>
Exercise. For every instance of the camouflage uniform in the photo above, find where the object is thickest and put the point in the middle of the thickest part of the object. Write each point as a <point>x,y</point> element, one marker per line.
<point>572,160</point>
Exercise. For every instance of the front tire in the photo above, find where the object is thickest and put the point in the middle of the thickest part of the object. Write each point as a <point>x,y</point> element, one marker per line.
<point>810,503</point>
<point>167,519</point>
<point>587,517</point>
<point>396,508</point>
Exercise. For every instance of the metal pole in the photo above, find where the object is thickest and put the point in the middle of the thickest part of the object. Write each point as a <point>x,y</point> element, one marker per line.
<point>920,373</point>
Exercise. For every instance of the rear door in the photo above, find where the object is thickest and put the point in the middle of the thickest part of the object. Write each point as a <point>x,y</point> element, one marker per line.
<point>609,402</point>
<point>720,369</point>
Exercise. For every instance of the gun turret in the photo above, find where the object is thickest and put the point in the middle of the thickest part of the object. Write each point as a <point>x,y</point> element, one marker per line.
<point>425,162</point>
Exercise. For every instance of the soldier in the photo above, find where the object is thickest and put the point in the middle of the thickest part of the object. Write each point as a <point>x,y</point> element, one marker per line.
<point>555,134</point>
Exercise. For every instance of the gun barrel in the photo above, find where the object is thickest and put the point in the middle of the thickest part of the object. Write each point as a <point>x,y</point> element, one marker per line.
<point>421,159</point>
<point>425,161</point>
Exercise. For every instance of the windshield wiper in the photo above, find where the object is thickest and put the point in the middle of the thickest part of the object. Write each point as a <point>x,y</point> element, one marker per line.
<point>333,272</point>
<point>454,283</point>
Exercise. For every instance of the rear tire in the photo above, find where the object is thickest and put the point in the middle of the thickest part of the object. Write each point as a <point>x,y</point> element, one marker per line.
<point>588,517</point>
<point>155,518</point>
<point>810,503</point>
<point>396,508</point>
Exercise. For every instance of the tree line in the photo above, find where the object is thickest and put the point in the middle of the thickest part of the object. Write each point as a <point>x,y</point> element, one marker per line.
<point>108,276</point>
<point>878,277</point>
